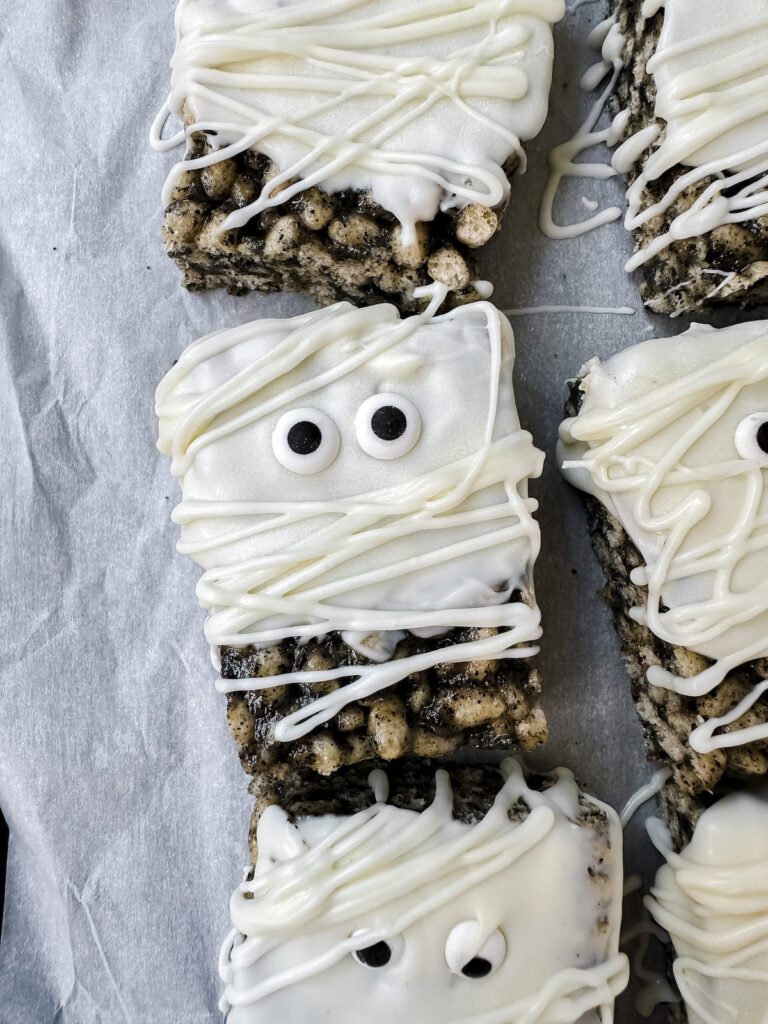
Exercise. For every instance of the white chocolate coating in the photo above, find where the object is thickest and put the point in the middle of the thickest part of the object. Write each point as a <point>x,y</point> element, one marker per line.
<point>419,882</point>
<point>711,80</point>
<point>713,900</point>
<point>656,441</point>
<point>437,538</point>
<point>421,104</point>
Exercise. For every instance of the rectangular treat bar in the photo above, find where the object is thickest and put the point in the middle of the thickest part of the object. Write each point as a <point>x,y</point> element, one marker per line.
<point>712,898</point>
<point>693,104</point>
<point>669,439</point>
<point>355,487</point>
<point>458,895</point>
<point>350,149</point>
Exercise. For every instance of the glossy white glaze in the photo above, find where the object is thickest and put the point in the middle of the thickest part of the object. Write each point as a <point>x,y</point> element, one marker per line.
<point>713,900</point>
<point>437,538</point>
<point>711,80</point>
<point>422,104</point>
<point>438,891</point>
<point>659,440</point>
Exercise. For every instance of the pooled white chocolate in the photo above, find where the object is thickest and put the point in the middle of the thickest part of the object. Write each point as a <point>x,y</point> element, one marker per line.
<point>499,922</point>
<point>423,104</point>
<point>713,900</point>
<point>662,440</point>
<point>365,544</point>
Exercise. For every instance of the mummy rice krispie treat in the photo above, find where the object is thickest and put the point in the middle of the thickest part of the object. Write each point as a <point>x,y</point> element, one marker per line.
<point>457,896</point>
<point>349,148</point>
<point>692,101</point>
<point>669,439</point>
<point>355,487</point>
<point>712,898</point>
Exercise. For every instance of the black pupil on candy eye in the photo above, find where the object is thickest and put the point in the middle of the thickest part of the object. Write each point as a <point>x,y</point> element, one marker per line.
<point>377,955</point>
<point>304,437</point>
<point>762,437</point>
<point>478,967</point>
<point>388,423</point>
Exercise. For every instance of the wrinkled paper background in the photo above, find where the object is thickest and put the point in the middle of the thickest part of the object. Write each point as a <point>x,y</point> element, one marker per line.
<point>126,803</point>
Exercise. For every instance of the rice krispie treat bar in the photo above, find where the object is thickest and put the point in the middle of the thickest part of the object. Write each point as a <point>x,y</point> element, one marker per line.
<point>350,149</point>
<point>462,894</point>
<point>669,440</point>
<point>355,488</point>
<point>712,898</point>
<point>693,118</point>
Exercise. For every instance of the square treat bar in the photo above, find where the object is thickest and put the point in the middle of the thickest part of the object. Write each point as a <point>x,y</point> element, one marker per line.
<point>670,441</point>
<point>712,899</point>
<point>457,895</point>
<point>349,148</point>
<point>355,487</point>
<point>695,127</point>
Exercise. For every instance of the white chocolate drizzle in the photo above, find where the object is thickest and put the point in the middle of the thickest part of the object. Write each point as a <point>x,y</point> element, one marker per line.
<point>436,539</point>
<point>587,310</point>
<point>712,95</point>
<point>323,888</point>
<point>656,441</point>
<point>563,161</point>
<point>712,898</point>
<point>421,104</point>
<point>643,795</point>
<point>655,989</point>
<point>711,82</point>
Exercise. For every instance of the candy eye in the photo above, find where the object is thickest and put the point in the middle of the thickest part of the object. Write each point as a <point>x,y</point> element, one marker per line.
<point>305,441</point>
<point>752,438</point>
<point>387,426</point>
<point>464,954</point>
<point>379,954</point>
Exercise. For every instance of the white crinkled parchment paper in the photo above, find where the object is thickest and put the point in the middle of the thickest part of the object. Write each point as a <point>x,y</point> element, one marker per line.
<point>121,786</point>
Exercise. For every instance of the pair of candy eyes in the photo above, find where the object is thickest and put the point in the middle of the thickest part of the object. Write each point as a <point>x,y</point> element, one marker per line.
<point>484,962</point>
<point>307,440</point>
